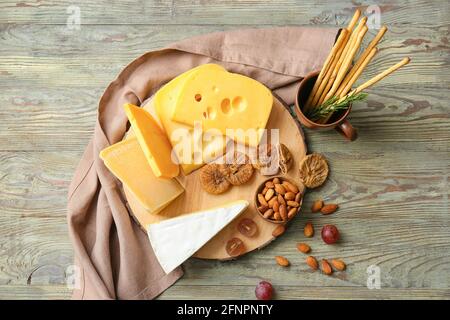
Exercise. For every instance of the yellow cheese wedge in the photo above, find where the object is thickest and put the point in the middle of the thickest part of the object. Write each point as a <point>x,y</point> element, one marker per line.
<point>127,162</point>
<point>153,141</point>
<point>223,100</point>
<point>163,104</point>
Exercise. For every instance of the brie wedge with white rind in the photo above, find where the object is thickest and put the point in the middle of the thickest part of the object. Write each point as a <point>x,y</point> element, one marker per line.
<point>175,240</point>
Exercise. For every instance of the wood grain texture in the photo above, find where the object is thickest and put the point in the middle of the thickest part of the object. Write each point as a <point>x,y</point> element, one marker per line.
<point>204,12</point>
<point>392,183</point>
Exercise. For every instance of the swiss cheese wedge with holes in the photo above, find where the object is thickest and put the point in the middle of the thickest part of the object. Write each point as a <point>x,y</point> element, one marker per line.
<point>222,100</point>
<point>186,144</point>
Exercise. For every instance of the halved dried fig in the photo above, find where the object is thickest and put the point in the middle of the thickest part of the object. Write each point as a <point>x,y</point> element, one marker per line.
<point>285,158</point>
<point>235,247</point>
<point>247,227</point>
<point>266,160</point>
<point>213,180</point>
<point>313,170</point>
<point>237,170</point>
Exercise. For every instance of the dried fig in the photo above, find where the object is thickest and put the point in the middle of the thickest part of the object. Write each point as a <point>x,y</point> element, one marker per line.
<point>313,170</point>
<point>213,180</point>
<point>266,160</point>
<point>239,170</point>
<point>285,158</point>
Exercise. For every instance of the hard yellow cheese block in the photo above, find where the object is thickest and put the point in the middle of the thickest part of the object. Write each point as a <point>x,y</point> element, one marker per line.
<point>153,141</point>
<point>210,146</point>
<point>127,162</point>
<point>223,100</point>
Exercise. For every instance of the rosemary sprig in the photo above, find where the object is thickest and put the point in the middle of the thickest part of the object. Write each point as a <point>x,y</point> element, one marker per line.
<point>333,104</point>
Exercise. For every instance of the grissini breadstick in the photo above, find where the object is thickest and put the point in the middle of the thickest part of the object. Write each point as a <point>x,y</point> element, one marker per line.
<point>342,71</point>
<point>366,52</point>
<point>343,56</point>
<point>326,66</point>
<point>329,78</point>
<point>369,83</point>
<point>330,70</point>
<point>332,55</point>
<point>382,75</point>
<point>347,83</point>
<point>377,78</point>
<point>328,81</point>
<point>355,19</point>
<point>355,33</point>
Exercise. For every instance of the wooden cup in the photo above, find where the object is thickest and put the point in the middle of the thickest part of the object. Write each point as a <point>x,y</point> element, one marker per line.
<point>338,121</point>
<point>260,189</point>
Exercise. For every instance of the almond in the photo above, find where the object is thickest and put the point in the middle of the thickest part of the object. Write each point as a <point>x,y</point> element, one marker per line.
<point>269,194</point>
<point>283,212</point>
<point>309,230</point>
<point>268,214</point>
<point>289,196</point>
<point>271,201</point>
<point>264,190</point>
<point>329,208</point>
<point>276,206</point>
<point>298,196</point>
<point>326,268</point>
<point>303,247</point>
<point>278,231</point>
<point>277,216</point>
<point>312,262</point>
<point>269,185</point>
<point>293,204</point>
<point>292,212</point>
<point>281,199</point>
<point>282,261</point>
<point>263,209</point>
<point>291,187</point>
<point>262,200</point>
<point>280,189</point>
<point>338,264</point>
<point>275,181</point>
<point>317,205</point>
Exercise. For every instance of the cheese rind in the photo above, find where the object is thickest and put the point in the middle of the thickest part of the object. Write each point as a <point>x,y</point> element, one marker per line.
<point>175,240</point>
<point>153,141</point>
<point>127,162</point>
<point>210,146</point>
<point>223,100</point>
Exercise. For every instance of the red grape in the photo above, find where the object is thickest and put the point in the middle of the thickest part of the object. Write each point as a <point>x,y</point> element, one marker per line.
<point>330,234</point>
<point>264,291</point>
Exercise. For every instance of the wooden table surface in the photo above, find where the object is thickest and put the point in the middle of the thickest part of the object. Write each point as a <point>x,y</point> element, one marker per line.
<point>392,183</point>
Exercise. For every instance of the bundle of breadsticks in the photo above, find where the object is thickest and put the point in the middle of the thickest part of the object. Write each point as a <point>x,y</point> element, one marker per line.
<point>332,90</point>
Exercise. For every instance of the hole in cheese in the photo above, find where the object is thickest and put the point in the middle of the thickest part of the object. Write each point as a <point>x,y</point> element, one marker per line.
<point>198,97</point>
<point>239,103</point>
<point>211,113</point>
<point>215,89</point>
<point>225,106</point>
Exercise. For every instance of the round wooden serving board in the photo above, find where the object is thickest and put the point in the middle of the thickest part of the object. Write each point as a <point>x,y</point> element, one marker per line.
<point>195,198</point>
